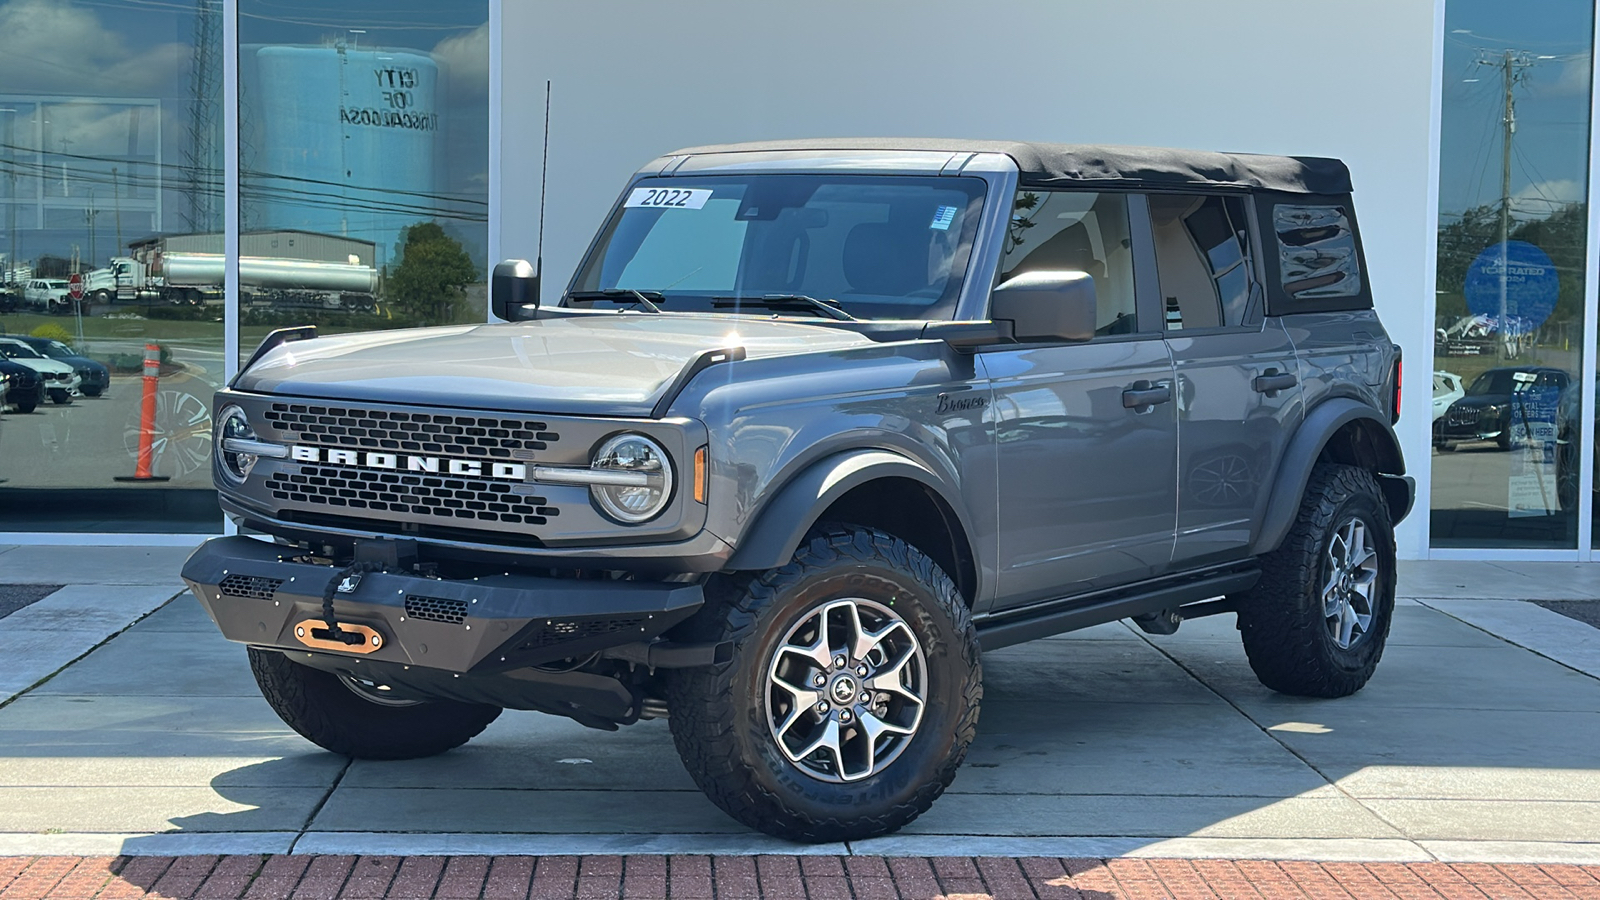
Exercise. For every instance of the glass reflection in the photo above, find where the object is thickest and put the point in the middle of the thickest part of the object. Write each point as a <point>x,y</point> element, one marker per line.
<point>1508,344</point>
<point>363,165</point>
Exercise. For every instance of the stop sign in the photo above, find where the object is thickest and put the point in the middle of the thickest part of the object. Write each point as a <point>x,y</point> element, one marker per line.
<point>75,286</point>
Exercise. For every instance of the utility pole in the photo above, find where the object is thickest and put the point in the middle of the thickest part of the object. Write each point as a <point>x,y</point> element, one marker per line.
<point>116,203</point>
<point>89,213</point>
<point>7,276</point>
<point>1511,64</point>
<point>65,142</point>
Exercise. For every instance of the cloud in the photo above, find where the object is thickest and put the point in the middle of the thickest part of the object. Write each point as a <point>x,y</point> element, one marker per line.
<point>464,58</point>
<point>47,46</point>
<point>1544,197</point>
<point>1574,77</point>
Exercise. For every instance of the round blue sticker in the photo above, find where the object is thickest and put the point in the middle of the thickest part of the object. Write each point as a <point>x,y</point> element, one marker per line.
<point>1531,283</point>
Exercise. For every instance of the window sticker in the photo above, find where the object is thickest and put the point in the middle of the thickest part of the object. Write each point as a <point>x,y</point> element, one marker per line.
<point>669,198</point>
<point>942,217</point>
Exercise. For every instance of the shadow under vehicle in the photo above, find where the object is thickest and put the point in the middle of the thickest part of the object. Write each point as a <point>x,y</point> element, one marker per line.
<point>94,376</point>
<point>1487,410</point>
<point>815,425</point>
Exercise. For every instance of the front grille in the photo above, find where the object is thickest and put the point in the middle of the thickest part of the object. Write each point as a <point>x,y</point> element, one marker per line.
<point>250,587</point>
<point>470,436</point>
<point>441,498</point>
<point>562,632</point>
<point>1462,415</point>
<point>436,609</point>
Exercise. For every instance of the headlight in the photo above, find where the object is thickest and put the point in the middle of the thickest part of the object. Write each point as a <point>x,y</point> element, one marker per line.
<point>644,478</point>
<point>232,426</point>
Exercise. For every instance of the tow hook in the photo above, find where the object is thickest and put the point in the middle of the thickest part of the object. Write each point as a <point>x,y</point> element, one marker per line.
<point>316,634</point>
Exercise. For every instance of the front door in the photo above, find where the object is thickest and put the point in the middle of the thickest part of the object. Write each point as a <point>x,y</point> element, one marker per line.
<point>1085,434</point>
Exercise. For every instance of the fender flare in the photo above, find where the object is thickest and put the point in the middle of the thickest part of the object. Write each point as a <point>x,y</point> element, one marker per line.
<point>1301,455</point>
<point>781,524</point>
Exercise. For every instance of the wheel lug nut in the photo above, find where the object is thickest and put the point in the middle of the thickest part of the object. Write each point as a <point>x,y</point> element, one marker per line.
<point>838,661</point>
<point>862,671</point>
<point>844,716</point>
<point>823,706</point>
<point>819,681</point>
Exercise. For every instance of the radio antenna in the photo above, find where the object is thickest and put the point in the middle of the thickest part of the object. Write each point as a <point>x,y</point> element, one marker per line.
<point>544,168</point>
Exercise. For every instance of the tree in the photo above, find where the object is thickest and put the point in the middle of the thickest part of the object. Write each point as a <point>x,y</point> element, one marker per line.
<point>434,268</point>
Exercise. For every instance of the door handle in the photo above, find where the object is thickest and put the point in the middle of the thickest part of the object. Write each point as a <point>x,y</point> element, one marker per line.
<point>1272,381</point>
<point>1144,395</point>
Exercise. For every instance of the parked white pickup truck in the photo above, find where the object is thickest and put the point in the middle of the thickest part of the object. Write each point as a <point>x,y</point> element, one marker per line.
<point>48,294</point>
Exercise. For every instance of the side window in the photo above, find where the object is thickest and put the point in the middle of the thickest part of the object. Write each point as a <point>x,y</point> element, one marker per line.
<point>1077,231</point>
<point>1202,259</point>
<point>1316,251</point>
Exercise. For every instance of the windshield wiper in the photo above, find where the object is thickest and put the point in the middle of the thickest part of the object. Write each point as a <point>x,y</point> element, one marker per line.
<point>781,301</point>
<point>646,299</point>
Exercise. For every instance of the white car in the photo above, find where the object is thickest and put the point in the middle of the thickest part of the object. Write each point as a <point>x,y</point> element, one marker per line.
<point>1447,389</point>
<point>46,293</point>
<point>60,380</point>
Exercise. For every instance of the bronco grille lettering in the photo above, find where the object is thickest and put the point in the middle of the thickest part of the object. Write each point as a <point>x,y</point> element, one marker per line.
<point>467,467</point>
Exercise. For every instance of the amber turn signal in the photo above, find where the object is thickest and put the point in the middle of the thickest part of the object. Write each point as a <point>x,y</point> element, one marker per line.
<point>700,475</point>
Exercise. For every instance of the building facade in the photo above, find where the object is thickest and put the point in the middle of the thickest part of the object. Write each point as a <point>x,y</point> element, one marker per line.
<point>1468,126</point>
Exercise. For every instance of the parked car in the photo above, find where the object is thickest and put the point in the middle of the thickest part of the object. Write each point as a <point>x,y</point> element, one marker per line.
<point>24,386</point>
<point>815,425</point>
<point>1446,391</point>
<point>47,294</point>
<point>60,380</point>
<point>1485,412</point>
<point>95,376</point>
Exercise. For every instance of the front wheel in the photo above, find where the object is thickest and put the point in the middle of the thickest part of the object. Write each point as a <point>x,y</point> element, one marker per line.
<point>851,697</point>
<point>354,718</point>
<point>1316,622</point>
<point>60,396</point>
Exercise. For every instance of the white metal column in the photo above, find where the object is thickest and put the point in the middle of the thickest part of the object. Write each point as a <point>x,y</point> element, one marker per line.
<point>496,43</point>
<point>1591,318</point>
<point>230,199</point>
<point>1423,505</point>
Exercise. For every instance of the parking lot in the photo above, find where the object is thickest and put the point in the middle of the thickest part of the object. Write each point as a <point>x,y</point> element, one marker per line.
<point>1467,745</point>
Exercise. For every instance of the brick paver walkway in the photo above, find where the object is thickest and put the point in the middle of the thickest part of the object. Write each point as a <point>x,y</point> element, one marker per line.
<point>749,878</point>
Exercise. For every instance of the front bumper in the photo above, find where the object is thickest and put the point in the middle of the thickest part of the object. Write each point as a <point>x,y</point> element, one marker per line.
<point>260,594</point>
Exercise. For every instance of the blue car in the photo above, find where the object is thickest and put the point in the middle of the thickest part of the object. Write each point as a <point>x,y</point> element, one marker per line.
<point>24,389</point>
<point>95,375</point>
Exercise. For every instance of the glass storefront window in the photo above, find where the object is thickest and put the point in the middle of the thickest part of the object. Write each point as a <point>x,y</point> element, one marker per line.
<point>1508,344</point>
<point>363,156</point>
<point>110,139</point>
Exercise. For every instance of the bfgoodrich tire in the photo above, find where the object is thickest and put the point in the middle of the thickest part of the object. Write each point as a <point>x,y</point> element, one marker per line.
<point>339,717</point>
<point>851,697</point>
<point>1316,622</point>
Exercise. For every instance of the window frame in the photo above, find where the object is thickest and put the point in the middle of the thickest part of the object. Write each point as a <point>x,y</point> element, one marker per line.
<point>1255,309</point>
<point>1279,302</point>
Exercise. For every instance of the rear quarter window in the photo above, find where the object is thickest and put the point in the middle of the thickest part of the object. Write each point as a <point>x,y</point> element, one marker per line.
<point>1314,250</point>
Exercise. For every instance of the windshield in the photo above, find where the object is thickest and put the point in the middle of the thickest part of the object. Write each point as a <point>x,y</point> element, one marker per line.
<point>57,350</point>
<point>880,246</point>
<point>1499,381</point>
<point>17,351</point>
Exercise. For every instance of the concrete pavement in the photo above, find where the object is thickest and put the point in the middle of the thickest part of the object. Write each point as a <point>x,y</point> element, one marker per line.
<point>1479,739</point>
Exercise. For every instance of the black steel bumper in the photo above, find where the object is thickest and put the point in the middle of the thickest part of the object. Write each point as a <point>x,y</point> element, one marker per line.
<point>258,594</point>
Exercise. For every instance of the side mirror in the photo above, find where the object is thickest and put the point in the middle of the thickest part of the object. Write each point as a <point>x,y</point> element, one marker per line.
<point>513,285</point>
<point>1046,306</point>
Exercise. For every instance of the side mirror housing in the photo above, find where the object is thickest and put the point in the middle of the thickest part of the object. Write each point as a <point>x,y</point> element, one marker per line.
<point>513,285</point>
<point>1046,306</point>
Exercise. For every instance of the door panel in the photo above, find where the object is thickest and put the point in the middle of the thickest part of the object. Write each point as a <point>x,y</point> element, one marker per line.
<point>1238,402</point>
<point>1087,493</point>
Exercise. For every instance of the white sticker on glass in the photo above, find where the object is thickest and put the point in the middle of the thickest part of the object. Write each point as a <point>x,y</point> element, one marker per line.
<point>668,198</point>
<point>942,217</point>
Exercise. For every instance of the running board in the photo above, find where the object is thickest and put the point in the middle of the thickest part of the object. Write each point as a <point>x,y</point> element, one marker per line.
<point>1072,613</point>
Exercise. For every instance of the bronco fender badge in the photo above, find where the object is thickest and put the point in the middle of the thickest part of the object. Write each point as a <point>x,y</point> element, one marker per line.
<point>960,403</point>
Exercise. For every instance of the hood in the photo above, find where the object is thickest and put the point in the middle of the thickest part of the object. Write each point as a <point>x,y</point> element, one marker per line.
<point>45,365</point>
<point>1478,401</point>
<point>583,364</point>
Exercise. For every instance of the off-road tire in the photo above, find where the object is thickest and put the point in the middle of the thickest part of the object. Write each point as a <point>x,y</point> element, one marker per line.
<point>1281,618</point>
<point>329,714</point>
<point>718,713</point>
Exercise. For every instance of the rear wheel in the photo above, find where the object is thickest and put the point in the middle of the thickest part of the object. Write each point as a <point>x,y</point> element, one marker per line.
<point>354,717</point>
<point>851,697</point>
<point>1316,622</point>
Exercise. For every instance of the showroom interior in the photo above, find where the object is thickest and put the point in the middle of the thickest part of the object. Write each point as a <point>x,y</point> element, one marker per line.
<point>208,170</point>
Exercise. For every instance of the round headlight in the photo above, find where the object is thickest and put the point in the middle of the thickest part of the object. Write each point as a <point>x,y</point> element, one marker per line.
<point>644,478</point>
<point>232,423</point>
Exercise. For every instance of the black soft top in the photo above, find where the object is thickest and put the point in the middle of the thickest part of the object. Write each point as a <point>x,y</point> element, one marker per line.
<point>1062,164</point>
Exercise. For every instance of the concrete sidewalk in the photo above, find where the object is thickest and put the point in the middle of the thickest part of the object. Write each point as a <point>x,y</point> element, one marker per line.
<point>1479,739</point>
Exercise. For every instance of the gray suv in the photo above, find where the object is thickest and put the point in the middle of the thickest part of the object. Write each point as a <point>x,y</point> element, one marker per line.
<point>814,425</point>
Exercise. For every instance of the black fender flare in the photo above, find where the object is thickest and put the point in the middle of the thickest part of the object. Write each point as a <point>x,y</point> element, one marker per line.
<point>1301,455</point>
<point>781,524</point>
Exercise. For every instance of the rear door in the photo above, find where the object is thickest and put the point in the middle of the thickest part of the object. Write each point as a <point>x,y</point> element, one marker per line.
<point>1085,433</point>
<point>1238,379</point>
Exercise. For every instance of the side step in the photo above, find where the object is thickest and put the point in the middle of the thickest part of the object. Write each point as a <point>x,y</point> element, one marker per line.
<point>1151,598</point>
